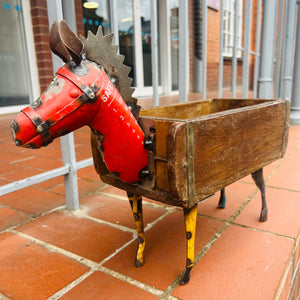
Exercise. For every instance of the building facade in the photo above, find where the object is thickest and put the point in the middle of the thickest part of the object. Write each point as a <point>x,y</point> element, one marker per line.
<point>27,62</point>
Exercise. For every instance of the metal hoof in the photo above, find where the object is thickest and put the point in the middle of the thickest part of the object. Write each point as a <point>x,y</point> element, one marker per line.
<point>221,205</point>
<point>186,277</point>
<point>264,215</point>
<point>138,263</point>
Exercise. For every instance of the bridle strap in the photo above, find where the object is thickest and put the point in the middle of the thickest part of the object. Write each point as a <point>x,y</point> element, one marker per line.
<point>88,95</point>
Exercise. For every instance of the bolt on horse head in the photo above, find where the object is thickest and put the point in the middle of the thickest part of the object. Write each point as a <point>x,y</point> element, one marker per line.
<point>86,93</point>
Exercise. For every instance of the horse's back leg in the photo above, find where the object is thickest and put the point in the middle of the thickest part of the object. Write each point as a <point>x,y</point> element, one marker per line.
<point>190,218</point>
<point>260,183</point>
<point>222,200</point>
<point>137,209</point>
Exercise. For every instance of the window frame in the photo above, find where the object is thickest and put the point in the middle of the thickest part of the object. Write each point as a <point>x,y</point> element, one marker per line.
<point>228,28</point>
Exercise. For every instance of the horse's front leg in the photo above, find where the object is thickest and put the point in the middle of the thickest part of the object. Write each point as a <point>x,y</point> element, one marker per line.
<point>260,183</point>
<point>190,218</point>
<point>136,206</point>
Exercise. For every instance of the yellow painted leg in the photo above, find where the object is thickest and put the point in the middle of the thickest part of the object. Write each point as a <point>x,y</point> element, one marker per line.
<point>190,218</point>
<point>136,206</point>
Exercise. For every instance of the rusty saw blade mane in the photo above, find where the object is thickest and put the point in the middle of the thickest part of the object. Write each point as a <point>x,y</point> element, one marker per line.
<point>99,48</point>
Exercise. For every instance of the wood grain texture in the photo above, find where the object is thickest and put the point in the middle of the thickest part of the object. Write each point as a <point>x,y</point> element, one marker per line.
<point>177,164</point>
<point>204,146</point>
<point>229,146</point>
<point>192,110</point>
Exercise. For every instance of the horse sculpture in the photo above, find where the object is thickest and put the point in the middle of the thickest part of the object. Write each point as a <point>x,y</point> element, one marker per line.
<point>93,89</point>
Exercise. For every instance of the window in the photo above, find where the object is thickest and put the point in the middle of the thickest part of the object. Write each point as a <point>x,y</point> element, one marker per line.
<point>15,86</point>
<point>228,27</point>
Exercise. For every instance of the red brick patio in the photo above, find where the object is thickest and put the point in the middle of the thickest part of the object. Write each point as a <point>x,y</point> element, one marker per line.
<point>49,252</point>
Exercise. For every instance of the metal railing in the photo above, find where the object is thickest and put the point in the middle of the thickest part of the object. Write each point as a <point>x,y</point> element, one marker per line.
<point>264,77</point>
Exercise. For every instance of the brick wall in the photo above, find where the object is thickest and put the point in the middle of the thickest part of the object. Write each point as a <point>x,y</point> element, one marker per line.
<point>44,60</point>
<point>40,28</point>
<point>213,36</point>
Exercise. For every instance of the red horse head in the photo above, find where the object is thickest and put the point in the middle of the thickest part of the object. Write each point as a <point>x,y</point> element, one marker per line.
<point>81,94</point>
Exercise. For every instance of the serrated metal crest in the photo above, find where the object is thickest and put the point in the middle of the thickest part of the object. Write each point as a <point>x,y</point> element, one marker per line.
<point>99,48</point>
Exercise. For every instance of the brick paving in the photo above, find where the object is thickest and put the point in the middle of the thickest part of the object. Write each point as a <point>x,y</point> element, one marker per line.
<point>48,252</point>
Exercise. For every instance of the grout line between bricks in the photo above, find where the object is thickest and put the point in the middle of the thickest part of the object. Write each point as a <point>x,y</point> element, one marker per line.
<point>132,281</point>
<point>67,288</point>
<point>228,222</point>
<point>282,282</point>
<point>52,248</point>
<point>145,202</point>
<point>91,264</point>
<point>2,297</point>
<point>205,249</point>
<point>98,267</point>
<point>23,159</point>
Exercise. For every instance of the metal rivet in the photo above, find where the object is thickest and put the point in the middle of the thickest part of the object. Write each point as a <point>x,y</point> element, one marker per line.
<point>152,129</point>
<point>74,93</point>
<point>40,129</point>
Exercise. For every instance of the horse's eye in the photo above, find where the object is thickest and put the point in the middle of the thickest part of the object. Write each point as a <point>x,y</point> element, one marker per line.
<point>54,82</point>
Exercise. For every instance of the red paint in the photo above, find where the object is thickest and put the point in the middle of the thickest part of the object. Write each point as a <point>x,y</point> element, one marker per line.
<point>107,113</point>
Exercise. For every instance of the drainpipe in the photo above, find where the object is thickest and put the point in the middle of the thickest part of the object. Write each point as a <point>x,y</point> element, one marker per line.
<point>265,80</point>
<point>287,53</point>
<point>295,100</point>
<point>198,66</point>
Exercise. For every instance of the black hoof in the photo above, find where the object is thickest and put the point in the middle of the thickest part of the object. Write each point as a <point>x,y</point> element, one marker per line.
<point>138,264</point>
<point>263,216</point>
<point>222,200</point>
<point>221,205</point>
<point>186,277</point>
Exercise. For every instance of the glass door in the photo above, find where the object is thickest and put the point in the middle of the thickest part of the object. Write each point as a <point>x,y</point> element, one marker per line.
<point>14,71</point>
<point>134,22</point>
<point>134,27</point>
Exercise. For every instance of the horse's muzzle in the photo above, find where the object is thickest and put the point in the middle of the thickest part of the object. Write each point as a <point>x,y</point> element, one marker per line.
<point>24,132</point>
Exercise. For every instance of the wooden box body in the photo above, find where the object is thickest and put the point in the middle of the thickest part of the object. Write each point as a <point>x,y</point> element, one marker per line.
<point>201,147</point>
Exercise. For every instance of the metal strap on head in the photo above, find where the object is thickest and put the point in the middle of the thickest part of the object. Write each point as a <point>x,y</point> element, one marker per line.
<point>88,95</point>
<point>88,91</point>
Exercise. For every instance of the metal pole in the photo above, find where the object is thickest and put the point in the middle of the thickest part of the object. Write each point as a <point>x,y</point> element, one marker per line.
<point>69,14</point>
<point>221,44</point>
<point>288,45</point>
<point>278,49</point>
<point>257,55</point>
<point>138,47</point>
<point>295,101</point>
<point>154,52</point>
<point>55,13</point>
<point>267,50</point>
<point>114,20</point>
<point>234,54</point>
<point>183,69</point>
<point>245,80</point>
<point>204,47</point>
<point>198,45</point>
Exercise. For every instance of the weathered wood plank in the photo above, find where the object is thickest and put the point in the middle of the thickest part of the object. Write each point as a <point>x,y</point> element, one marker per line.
<point>204,146</point>
<point>178,161</point>
<point>231,146</point>
<point>186,111</point>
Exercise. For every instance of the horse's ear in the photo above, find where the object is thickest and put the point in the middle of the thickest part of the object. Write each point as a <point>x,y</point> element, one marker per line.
<point>64,43</point>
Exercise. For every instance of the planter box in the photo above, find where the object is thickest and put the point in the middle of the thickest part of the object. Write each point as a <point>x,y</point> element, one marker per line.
<point>201,147</point>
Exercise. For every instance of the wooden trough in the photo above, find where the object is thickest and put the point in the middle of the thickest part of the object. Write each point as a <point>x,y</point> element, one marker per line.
<point>201,147</point>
